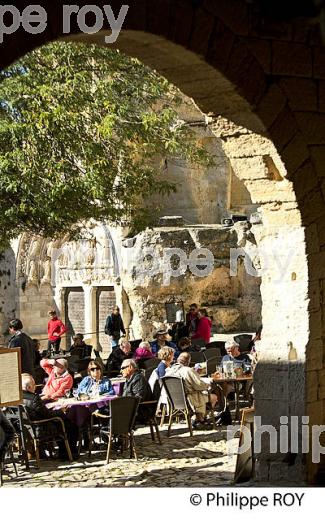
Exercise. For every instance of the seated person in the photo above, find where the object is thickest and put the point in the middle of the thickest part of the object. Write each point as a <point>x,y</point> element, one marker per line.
<point>194,387</point>
<point>7,435</point>
<point>95,382</point>
<point>234,354</point>
<point>117,356</point>
<point>161,340</point>
<point>143,351</point>
<point>79,347</point>
<point>37,411</point>
<point>59,380</point>
<point>166,355</point>
<point>240,361</point>
<point>137,386</point>
<point>185,345</point>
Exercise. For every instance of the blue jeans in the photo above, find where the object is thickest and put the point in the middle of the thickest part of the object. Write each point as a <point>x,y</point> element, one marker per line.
<point>114,342</point>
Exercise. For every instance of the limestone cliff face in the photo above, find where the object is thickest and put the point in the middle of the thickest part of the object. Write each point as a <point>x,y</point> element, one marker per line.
<point>163,264</point>
<point>215,266</point>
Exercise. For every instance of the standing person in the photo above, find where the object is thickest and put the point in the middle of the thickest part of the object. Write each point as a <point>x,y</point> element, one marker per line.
<point>55,329</point>
<point>192,319</point>
<point>79,347</point>
<point>27,349</point>
<point>114,326</point>
<point>203,330</point>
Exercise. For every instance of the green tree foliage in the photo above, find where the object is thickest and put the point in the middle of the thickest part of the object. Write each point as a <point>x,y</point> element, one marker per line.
<point>80,126</point>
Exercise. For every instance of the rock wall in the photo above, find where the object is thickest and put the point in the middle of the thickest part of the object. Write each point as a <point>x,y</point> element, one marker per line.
<point>204,195</point>
<point>159,265</point>
<point>139,274</point>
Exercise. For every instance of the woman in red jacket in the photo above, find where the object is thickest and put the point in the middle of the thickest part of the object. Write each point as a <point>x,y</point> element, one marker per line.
<point>203,330</point>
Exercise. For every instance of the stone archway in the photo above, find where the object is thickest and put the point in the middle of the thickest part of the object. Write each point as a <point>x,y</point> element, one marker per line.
<point>265,80</point>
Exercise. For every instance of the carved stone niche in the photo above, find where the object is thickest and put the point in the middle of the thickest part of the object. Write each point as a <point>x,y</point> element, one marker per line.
<point>63,261</point>
<point>47,271</point>
<point>33,273</point>
<point>35,249</point>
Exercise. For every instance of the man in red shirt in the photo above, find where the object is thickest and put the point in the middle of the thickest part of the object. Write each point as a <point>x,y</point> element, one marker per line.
<point>55,329</point>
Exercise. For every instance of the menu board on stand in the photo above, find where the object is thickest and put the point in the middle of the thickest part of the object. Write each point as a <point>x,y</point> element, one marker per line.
<point>10,377</point>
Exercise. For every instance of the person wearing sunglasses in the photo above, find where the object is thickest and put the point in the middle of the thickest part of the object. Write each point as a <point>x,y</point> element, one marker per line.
<point>95,379</point>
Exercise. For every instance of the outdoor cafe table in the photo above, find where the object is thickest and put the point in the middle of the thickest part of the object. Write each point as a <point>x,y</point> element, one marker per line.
<point>236,382</point>
<point>79,411</point>
<point>118,384</point>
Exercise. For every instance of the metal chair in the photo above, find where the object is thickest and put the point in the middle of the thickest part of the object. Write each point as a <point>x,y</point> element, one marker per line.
<point>244,341</point>
<point>175,391</point>
<point>213,358</point>
<point>73,364</point>
<point>7,436</point>
<point>212,353</point>
<point>10,452</point>
<point>32,432</point>
<point>144,364</point>
<point>148,366</point>
<point>196,357</point>
<point>120,423</point>
<point>134,344</point>
<point>198,343</point>
<point>222,404</point>
<point>13,414</point>
<point>217,344</point>
<point>150,418</point>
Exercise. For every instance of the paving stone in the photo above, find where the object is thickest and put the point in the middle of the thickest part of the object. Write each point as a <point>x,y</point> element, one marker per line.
<point>175,463</point>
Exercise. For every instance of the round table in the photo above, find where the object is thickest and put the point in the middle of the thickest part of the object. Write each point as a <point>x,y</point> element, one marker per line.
<point>79,412</point>
<point>236,381</point>
<point>118,384</point>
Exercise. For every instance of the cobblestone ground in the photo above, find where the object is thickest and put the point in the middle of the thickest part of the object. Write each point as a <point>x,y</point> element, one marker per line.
<point>181,461</point>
